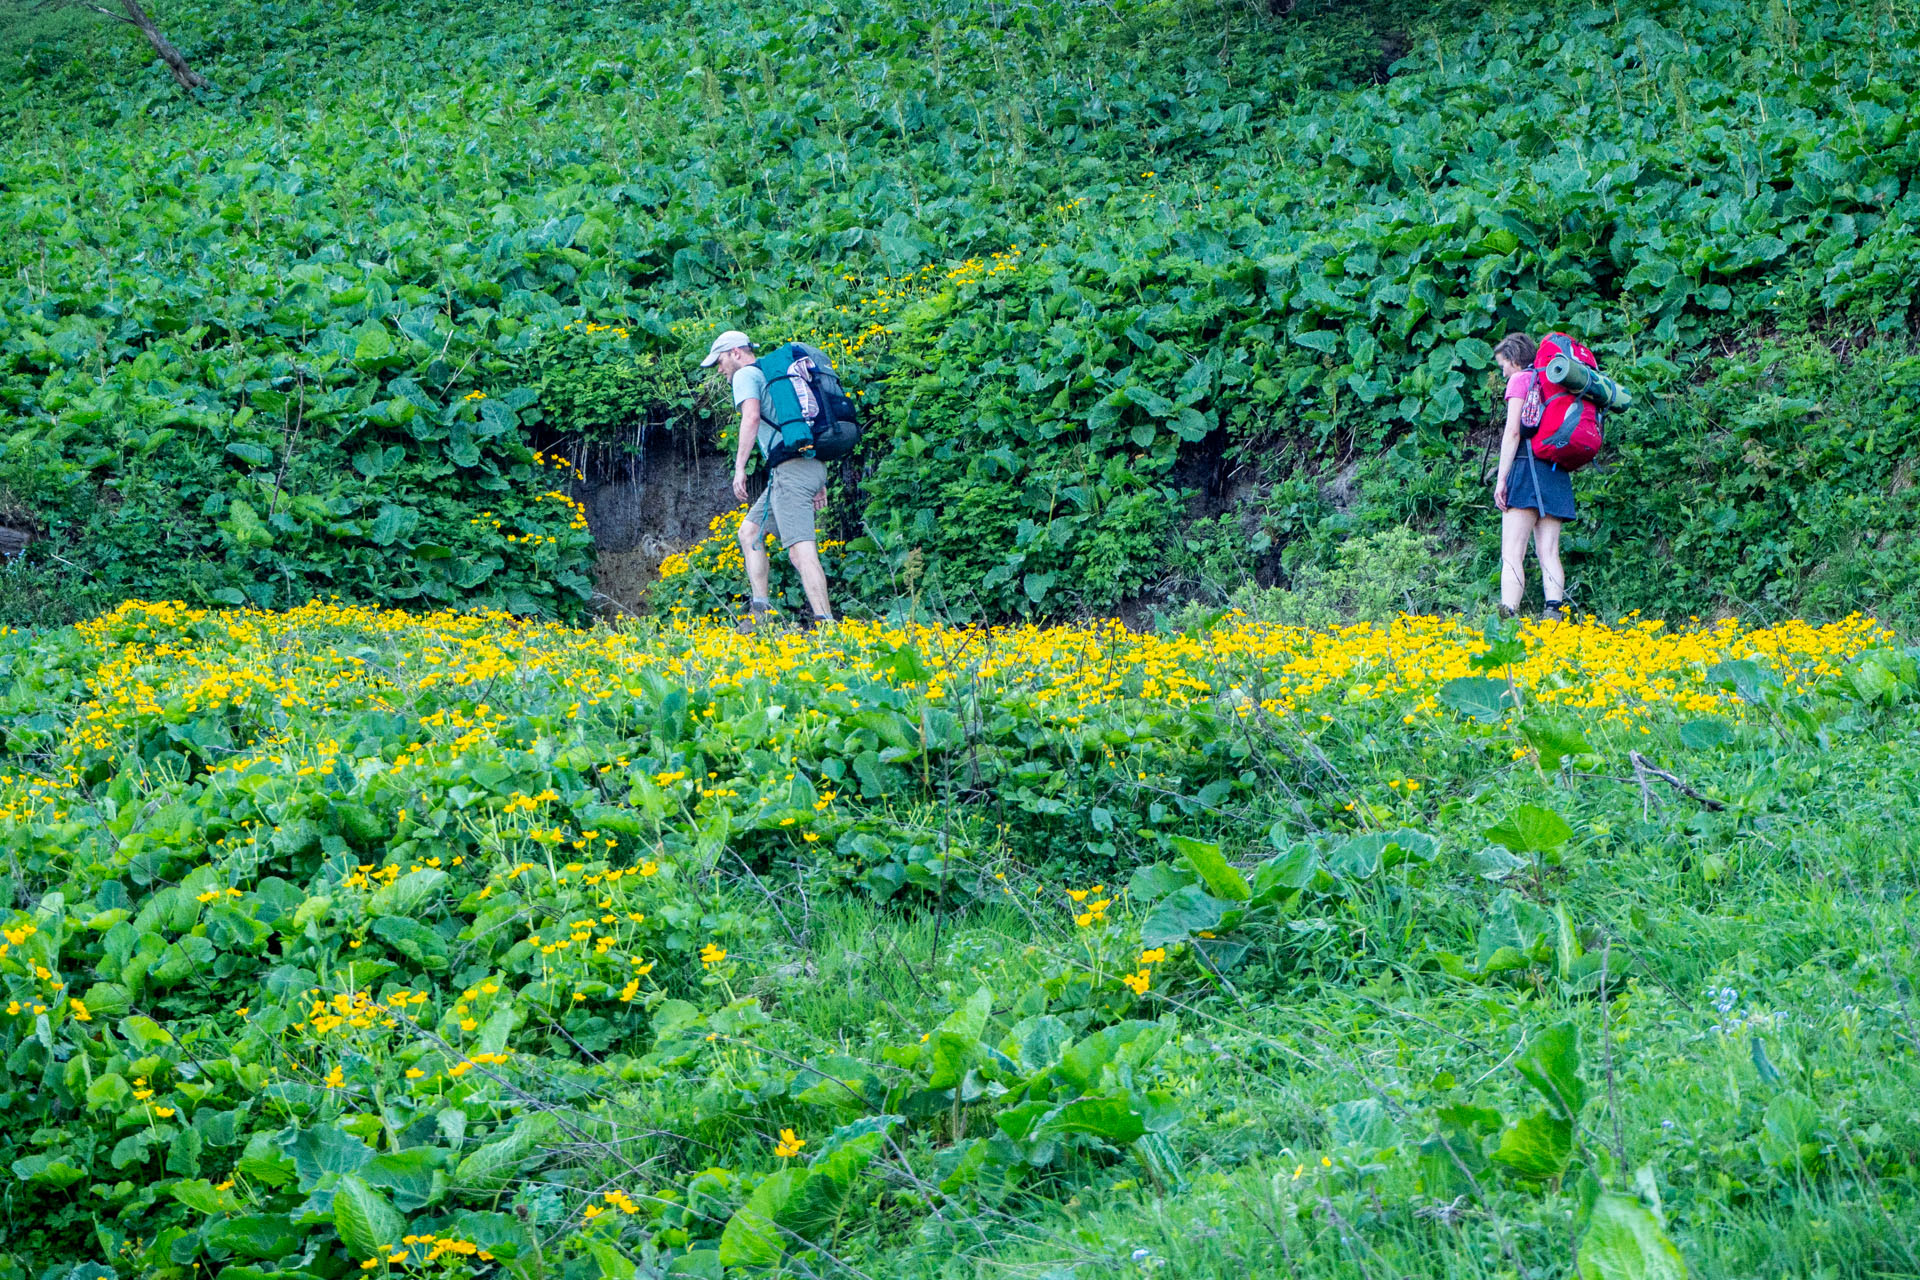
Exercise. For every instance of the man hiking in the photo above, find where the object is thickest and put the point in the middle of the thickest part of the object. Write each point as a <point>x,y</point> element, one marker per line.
<point>795,489</point>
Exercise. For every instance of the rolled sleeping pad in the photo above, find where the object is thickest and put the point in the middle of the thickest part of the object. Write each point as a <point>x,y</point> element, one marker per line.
<point>1588,383</point>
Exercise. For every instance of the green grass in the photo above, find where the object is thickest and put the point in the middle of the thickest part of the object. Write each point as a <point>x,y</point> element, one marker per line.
<point>1376,1004</point>
<point>1806,939</point>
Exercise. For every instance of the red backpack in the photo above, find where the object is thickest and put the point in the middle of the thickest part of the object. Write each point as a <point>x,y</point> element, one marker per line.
<point>1565,427</point>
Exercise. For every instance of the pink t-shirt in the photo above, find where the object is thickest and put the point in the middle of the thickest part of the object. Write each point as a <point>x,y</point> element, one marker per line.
<point>1519,384</point>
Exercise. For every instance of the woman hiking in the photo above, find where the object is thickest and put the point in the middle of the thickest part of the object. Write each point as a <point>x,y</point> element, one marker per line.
<point>1535,498</point>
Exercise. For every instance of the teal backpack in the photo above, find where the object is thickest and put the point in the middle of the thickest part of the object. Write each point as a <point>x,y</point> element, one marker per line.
<point>806,406</point>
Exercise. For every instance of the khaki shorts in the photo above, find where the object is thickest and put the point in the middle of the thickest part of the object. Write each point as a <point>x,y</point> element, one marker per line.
<point>788,502</point>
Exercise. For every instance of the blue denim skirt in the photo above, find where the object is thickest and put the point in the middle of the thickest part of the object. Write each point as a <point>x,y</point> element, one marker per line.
<point>1540,485</point>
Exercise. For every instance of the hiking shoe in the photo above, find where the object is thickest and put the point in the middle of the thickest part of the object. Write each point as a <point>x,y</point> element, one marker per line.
<point>1506,613</point>
<point>1553,611</point>
<point>757,613</point>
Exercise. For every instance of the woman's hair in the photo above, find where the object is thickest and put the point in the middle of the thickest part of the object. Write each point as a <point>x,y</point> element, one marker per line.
<point>1517,347</point>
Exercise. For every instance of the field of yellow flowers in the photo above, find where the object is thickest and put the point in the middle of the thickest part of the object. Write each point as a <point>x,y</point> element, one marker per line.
<point>345,941</point>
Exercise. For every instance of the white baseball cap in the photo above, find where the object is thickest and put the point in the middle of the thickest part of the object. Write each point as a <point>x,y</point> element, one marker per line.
<point>731,340</point>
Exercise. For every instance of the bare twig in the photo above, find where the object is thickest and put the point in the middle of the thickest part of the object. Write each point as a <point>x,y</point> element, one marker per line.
<point>131,14</point>
<point>1644,768</point>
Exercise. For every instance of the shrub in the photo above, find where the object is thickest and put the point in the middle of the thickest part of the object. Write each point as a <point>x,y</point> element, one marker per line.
<point>1372,578</point>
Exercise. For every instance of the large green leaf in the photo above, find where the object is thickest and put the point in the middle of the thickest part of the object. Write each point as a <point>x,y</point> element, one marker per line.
<point>752,1236</point>
<point>833,1174</point>
<point>107,1000</point>
<point>1624,1241</point>
<point>56,1171</point>
<point>1108,1117</point>
<point>1554,740</point>
<point>1364,1122</point>
<point>392,524</point>
<point>408,895</point>
<point>500,1234</point>
<point>1019,1121</point>
<point>843,1083</point>
<point>367,1224</point>
<point>1531,829</point>
<point>1039,1041</point>
<point>1156,880</point>
<point>414,940</point>
<point>1744,676</point>
<point>1538,1146</point>
<point>1221,877</point>
<point>1288,872</point>
<point>1180,915</point>
<point>203,1197</point>
<point>1882,675</point>
<point>260,1235</point>
<point>319,1151</point>
<point>110,1090</point>
<point>413,1177</point>
<point>374,462</point>
<point>1789,1131</point>
<point>1081,1067</point>
<point>1551,1064</point>
<point>1358,858</point>
<point>490,1166</point>
<point>1480,697</point>
<point>373,346</point>
<point>956,1042</point>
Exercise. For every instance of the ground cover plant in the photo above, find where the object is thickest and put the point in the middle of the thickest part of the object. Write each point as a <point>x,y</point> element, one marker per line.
<point>341,942</point>
<point>295,334</point>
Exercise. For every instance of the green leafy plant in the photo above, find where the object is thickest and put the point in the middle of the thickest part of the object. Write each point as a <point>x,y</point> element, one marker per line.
<point>1061,331</point>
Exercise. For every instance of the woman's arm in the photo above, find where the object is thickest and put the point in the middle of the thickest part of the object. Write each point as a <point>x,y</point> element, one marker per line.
<point>1509,447</point>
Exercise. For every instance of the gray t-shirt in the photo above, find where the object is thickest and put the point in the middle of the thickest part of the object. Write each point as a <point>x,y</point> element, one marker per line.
<point>751,384</point>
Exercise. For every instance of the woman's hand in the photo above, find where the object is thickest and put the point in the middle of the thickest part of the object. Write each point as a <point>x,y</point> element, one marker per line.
<point>1500,493</point>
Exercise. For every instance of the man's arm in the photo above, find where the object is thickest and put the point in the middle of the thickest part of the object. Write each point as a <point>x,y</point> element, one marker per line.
<point>749,432</point>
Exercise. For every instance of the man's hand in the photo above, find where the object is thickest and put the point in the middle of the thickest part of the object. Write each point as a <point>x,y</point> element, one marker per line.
<point>740,483</point>
<point>820,500</point>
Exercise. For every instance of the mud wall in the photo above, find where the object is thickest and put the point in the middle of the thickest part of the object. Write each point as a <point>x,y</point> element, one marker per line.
<point>644,506</point>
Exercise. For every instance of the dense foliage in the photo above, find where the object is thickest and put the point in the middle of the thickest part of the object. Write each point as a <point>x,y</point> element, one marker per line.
<point>1080,285</point>
<point>339,941</point>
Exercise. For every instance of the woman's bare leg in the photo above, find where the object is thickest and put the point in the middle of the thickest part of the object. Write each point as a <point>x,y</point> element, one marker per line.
<point>1516,525</point>
<point>1546,544</point>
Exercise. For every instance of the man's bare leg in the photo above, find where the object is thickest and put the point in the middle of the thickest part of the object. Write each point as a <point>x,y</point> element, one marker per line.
<point>753,549</point>
<point>806,558</point>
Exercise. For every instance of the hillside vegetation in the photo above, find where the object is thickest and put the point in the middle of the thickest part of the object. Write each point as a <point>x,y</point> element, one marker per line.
<point>340,942</point>
<point>1098,271</point>
<point>368,911</point>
